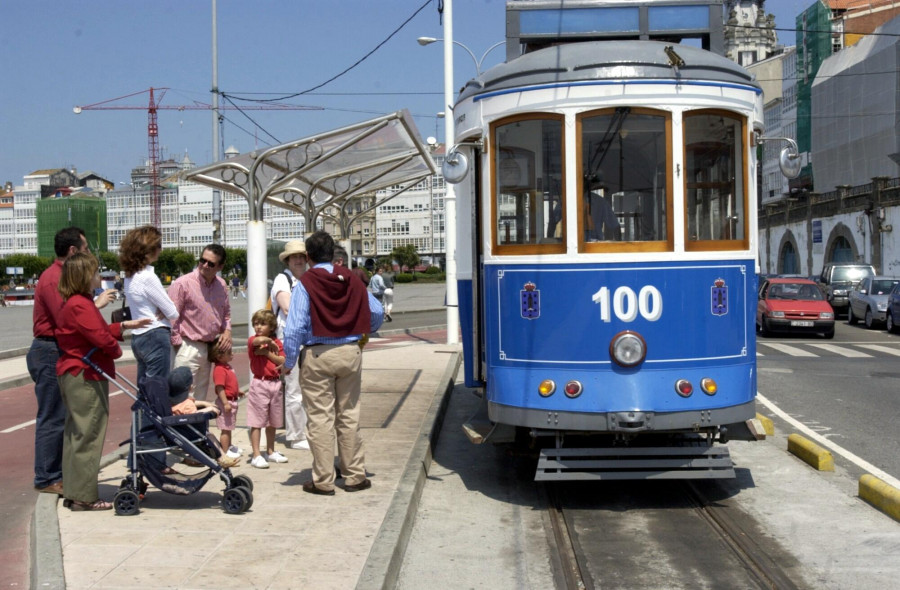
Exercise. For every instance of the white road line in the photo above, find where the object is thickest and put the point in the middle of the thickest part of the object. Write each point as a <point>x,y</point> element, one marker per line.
<point>841,350</point>
<point>787,349</point>
<point>858,461</point>
<point>879,348</point>
<point>32,422</point>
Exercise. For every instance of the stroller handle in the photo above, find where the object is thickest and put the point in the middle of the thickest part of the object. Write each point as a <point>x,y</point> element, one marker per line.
<point>87,360</point>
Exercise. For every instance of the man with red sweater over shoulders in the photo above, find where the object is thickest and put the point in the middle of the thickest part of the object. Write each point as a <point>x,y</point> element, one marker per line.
<point>330,311</point>
<point>41,362</point>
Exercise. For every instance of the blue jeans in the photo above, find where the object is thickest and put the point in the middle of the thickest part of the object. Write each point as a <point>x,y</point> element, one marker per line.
<point>51,414</point>
<point>153,352</point>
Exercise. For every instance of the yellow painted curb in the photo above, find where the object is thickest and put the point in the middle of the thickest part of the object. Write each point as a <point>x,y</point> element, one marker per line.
<point>767,424</point>
<point>810,452</point>
<point>881,495</point>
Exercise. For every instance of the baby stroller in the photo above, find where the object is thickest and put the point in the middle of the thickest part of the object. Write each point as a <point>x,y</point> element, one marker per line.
<point>156,432</point>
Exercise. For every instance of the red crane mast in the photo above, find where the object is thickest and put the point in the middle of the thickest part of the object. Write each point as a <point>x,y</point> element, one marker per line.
<point>153,130</point>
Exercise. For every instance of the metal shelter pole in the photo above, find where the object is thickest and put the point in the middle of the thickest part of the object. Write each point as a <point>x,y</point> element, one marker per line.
<point>450,196</point>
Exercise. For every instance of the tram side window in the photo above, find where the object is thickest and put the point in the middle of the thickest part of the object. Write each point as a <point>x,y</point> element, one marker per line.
<point>625,179</point>
<point>528,184</point>
<point>714,180</point>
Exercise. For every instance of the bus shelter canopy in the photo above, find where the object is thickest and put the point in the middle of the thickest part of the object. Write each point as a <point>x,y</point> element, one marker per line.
<point>317,173</point>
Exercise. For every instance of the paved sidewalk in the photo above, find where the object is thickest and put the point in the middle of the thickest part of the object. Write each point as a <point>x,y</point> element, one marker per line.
<point>288,539</point>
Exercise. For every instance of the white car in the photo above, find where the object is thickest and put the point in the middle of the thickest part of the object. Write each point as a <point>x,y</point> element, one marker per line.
<point>869,300</point>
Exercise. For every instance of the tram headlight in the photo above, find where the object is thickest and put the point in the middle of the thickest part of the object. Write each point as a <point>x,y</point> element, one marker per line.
<point>547,387</point>
<point>709,386</point>
<point>628,349</point>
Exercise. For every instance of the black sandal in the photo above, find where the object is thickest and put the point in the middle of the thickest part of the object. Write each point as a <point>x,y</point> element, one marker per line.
<point>76,506</point>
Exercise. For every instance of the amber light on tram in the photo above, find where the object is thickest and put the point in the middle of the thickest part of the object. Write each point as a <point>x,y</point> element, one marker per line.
<point>684,388</point>
<point>547,387</point>
<point>709,386</point>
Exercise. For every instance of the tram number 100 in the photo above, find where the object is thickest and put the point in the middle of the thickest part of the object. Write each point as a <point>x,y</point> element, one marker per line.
<point>626,305</point>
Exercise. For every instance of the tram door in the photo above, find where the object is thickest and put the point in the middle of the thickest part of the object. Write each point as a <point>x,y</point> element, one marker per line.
<point>477,225</point>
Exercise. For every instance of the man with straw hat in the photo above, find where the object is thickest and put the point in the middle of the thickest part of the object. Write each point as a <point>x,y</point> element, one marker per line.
<point>294,256</point>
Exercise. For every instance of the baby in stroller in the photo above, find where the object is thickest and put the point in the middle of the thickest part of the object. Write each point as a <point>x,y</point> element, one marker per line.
<point>165,419</point>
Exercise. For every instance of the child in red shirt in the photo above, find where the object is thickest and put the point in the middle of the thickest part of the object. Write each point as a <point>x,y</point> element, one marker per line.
<point>265,398</point>
<point>227,391</point>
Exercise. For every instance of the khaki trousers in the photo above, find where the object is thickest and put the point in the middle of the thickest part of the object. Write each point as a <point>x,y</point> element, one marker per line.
<point>87,403</point>
<point>331,377</point>
<point>193,355</point>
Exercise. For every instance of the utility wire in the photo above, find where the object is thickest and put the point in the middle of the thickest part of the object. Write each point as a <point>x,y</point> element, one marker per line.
<point>258,126</point>
<point>336,76</point>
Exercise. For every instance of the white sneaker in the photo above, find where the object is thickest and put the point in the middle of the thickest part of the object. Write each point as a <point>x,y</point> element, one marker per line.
<point>232,454</point>
<point>276,457</point>
<point>300,445</point>
<point>238,451</point>
<point>259,462</point>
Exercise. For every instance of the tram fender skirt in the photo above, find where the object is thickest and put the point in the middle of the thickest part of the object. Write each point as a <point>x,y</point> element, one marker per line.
<point>881,495</point>
<point>810,452</point>
<point>767,423</point>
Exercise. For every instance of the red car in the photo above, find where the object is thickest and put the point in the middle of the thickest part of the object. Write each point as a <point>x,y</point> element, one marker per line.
<point>793,306</point>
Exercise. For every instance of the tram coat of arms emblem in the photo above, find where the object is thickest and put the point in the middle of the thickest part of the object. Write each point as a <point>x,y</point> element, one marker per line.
<point>719,297</point>
<point>530,298</point>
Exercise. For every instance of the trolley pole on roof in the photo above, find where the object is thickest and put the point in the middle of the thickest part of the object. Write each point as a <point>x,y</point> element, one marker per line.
<point>450,197</point>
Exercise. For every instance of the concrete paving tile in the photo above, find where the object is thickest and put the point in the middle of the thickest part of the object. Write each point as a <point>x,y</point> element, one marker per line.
<point>109,555</point>
<point>339,579</point>
<point>156,577</point>
<point>236,571</point>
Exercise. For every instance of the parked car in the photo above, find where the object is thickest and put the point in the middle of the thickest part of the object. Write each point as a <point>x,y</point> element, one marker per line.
<point>793,306</point>
<point>893,310</point>
<point>836,280</point>
<point>869,300</point>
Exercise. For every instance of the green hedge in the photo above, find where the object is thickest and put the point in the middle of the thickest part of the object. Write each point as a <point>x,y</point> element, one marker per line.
<point>403,277</point>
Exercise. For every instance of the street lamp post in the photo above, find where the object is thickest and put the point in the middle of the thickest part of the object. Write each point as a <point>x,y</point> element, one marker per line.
<point>450,191</point>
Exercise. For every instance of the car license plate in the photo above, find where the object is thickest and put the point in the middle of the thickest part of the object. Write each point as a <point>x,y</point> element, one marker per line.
<point>802,323</point>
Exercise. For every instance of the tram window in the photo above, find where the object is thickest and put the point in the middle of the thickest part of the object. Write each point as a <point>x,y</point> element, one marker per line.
<point>714,181</point>
<point>624,168</point>
<point>528,185</point>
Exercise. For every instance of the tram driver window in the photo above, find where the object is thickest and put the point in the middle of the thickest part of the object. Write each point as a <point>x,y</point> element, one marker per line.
<point>714,180</point>
<point>624,179</point>
<point>528,184</point>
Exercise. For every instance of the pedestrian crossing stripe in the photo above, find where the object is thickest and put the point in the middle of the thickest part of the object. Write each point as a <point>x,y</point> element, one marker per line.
<point>845,351</point>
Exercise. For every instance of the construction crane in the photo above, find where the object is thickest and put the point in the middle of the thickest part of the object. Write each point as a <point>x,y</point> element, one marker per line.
<point>153,128</point>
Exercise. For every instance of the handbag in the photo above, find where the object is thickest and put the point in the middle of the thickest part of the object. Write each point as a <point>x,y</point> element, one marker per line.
<point>123,314</point>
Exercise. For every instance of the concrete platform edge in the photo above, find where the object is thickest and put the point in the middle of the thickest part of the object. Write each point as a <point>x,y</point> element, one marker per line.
<point>382,567</point>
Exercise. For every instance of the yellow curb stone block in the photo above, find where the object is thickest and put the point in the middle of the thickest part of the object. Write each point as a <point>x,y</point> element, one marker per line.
<point>767,424</point>
<point>810,452</point>
<point>881,495</point>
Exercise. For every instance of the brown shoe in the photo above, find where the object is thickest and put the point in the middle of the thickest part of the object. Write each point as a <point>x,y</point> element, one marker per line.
<point>363,485</point>
<point>311,488</point>
<point>54,488</point>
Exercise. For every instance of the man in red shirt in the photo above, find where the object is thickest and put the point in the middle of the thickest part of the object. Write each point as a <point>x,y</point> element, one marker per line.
<point>41,361</point>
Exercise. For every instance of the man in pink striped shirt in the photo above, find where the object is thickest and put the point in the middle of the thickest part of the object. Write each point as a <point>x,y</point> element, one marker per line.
<point>204,312</point>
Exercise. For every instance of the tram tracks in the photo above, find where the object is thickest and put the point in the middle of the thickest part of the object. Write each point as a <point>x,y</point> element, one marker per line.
<point>637,537</point>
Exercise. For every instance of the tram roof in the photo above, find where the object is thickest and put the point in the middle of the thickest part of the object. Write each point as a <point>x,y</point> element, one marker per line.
<point>316,172</point>
<point>606,61</point>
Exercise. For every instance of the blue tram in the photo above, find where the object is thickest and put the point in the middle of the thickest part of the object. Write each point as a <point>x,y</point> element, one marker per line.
<point>607,241</point>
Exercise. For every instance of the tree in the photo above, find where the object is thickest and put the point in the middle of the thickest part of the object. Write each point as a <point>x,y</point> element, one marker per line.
<point>406,256</point>
<point>32,266</point>
<point>109,260</point>
<point>235,263</point>
<point>174,262</point>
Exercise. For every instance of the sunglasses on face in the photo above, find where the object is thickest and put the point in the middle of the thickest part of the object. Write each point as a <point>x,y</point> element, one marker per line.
<point>209,263</point>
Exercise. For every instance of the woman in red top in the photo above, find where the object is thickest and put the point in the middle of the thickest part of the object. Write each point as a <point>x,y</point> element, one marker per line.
<point>84,391</point>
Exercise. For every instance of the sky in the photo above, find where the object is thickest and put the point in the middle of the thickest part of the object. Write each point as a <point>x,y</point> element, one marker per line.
<point>55,55</point>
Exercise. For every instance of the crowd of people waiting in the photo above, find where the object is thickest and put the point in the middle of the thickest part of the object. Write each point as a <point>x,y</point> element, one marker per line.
<point>305,356</point>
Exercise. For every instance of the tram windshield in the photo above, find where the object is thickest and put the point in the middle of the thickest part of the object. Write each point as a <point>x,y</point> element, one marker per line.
<point>714,181</point>
<point>528,164</point>
<point>624,174</point>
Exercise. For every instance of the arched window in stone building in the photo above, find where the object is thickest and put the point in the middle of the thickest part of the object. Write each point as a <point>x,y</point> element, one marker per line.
<point>787,260</point>
<point>841,251</point>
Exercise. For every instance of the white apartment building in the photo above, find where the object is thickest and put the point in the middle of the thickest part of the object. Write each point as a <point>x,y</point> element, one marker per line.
<point>415,216</point>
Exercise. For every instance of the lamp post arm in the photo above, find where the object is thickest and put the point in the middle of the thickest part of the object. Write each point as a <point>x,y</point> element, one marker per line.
<point>472,55</point>
<point>485,54</point>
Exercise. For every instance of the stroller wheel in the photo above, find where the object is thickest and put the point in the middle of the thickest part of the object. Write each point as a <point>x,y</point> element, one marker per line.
<point>237,500</point>
<point>242,481</point>
<point>126,503</point>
